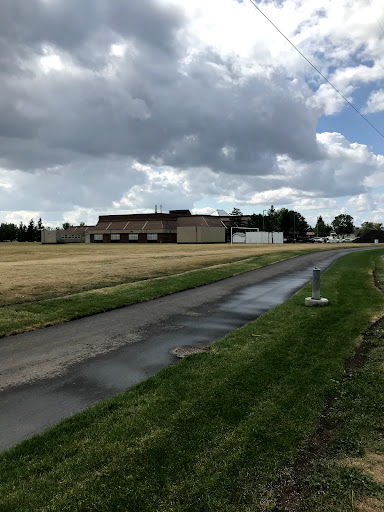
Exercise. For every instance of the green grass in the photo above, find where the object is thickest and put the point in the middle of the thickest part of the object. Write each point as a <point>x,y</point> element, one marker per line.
<point>33,315</point>
<point>213,432</point>
<point>343,475</point>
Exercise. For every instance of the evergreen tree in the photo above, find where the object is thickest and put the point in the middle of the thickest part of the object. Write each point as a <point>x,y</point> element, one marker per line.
<point>236,218</point>
<point>322,229</point>
<point>12,232</point>
<point>39,228</point>
<point>271,220</point>
<point>31,231</point>
<point>22,233</point>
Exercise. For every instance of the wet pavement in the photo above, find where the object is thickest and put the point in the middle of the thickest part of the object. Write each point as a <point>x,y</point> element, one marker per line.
<point>33,407</point>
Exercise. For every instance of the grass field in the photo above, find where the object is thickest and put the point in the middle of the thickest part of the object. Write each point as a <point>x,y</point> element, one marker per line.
<point>220,431</point>
<point>30,272</point>
<point>47,284</point>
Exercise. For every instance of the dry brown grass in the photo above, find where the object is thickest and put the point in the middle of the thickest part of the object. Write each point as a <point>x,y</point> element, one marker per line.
<point>373,465</point>
<point>370,505</point>
<point>30,272</point>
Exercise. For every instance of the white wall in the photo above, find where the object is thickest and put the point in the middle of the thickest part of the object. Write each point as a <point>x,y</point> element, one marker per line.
<point>258,237</point>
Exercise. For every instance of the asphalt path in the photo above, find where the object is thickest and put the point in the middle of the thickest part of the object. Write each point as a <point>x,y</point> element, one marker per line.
<point>49,374</point>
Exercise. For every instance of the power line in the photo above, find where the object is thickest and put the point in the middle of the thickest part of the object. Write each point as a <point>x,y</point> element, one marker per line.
<point>315,68</point>
<point>377,19</point>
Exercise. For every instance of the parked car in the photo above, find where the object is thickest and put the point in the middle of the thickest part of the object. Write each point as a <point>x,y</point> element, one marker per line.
<point>348,240</point>
<point>318,239</point>
<point>333,240</point>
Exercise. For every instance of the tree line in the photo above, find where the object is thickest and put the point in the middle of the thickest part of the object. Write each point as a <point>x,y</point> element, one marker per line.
<point>22,233</point>
<point>293,224</point>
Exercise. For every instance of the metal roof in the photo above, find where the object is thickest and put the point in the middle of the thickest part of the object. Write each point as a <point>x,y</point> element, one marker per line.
<point>77,229</point>
<point>153,222</point>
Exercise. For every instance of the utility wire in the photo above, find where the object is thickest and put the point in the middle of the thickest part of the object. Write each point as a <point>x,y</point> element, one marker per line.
<point>315,68</point>
<point>377,19</point>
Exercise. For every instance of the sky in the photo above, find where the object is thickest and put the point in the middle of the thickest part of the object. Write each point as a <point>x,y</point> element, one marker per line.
<point>111,107</point>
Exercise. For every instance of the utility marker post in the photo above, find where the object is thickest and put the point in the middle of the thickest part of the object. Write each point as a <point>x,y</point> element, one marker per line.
<point>316,284</point>
<point>316,299</point>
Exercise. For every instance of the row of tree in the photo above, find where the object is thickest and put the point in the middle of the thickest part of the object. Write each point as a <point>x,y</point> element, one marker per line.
<point>22,232</point>
<point>293,224</point>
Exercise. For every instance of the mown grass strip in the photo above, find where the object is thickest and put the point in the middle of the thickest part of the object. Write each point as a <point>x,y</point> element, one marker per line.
<point>348,473</point>
<point>212,432</point>
<point>33,315</point>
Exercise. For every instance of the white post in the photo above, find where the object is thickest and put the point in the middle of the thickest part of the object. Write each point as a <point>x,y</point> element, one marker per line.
<point>316,299</point>
<point>316,284</point>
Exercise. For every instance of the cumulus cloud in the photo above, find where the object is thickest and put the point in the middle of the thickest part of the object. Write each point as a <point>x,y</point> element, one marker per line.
<point>118,106</point>
<point>367,207</point>
<point>207,210</point>
<point>365,202</point>
<point>309,185</point>
<point>326,100</point>
<point>375,102</point>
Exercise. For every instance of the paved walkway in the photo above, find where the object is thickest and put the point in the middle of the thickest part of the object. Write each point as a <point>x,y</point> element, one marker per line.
<point>49,374</point>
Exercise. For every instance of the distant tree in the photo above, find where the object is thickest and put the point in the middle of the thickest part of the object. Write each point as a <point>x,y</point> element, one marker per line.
<point>31,231</point>
<point>369,226</point>
<point>343,224</point>
<point>255,221</point>
<point>66,225</point>
<point>8,232</point>
<point>291,223</point>
<point>21,233</point>
<point>12,232</point>
<point>271,220</point>
<point>3,232</point>
<point>322,229</point>
<point>236,218</point>
<point>82,224</point>
<point>285,221</point>
<point>38,229</point>
<point>301,225</point>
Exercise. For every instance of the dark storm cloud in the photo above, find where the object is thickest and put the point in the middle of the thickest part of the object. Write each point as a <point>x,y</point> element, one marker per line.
<point>70,24</point>
<point>236,127</point>
<point>146,105</point>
